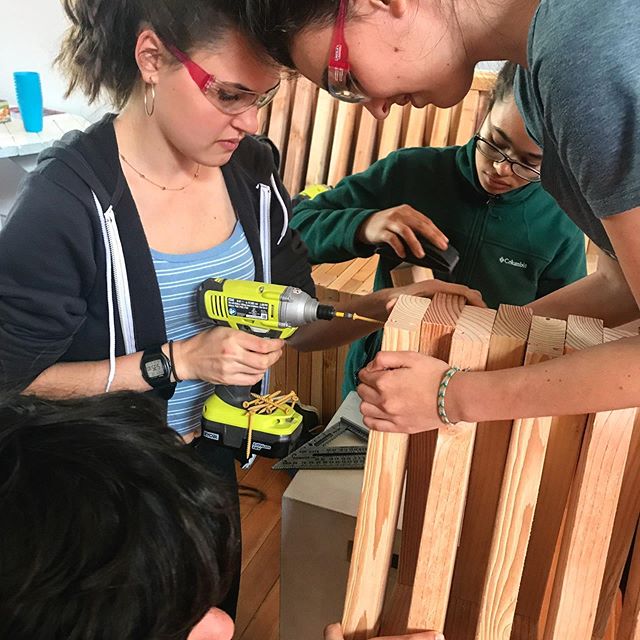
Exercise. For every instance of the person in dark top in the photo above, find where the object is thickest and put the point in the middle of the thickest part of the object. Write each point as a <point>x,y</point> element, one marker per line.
<point>111,529</point>
<point>578,90</point>
<point>515,242</point>
<point>113,232</point>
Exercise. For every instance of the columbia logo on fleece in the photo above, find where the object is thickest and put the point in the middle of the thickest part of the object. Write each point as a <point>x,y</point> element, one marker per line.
<point>513,263</point>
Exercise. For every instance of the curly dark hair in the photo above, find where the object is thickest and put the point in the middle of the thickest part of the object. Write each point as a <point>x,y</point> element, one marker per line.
<point>111,527</point>
<point>97,53</point>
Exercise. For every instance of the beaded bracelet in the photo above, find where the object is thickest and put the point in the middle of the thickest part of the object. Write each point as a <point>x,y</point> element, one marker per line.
<point>442,390</point>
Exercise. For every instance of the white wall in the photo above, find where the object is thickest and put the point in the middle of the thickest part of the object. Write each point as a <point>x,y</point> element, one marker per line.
<point>30,34</point>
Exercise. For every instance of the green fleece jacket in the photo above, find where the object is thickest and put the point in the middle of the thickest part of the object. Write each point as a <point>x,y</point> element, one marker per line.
<point>513,248</point>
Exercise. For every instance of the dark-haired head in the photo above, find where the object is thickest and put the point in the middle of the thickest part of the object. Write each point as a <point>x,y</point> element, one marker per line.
<point>506,157</point>
<point>98,51</point>
<point>111,528</point>
<point>503,88</point>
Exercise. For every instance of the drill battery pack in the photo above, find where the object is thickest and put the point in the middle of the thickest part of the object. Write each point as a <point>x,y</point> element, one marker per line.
<point>272,435</point>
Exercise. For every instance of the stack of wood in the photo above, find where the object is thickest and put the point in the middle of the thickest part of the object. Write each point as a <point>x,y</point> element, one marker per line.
<point>512,529</point>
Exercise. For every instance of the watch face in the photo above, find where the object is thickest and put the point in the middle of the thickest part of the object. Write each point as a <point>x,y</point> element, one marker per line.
<point>154,368</point>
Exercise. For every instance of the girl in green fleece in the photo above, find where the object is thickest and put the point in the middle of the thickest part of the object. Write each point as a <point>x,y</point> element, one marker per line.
<point>485,197</point>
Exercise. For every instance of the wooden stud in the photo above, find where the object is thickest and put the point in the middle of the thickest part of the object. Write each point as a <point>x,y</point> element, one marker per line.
<point>448,485</point>
<point>438,326</point>
<point>381,492</point>
<point>391,128</point>
<point>365,141</point>
<point>279,120</point>
<point>484,81</point>
<point>629,628</point>
<point>297,147</point>
<point>343,142</point>
<point>506,349</point>
<point>415,128</point>
<point>406,274</point>
<point>520,486</point>
<point>321,140</point>
<point>467,124</point>
<point>590,517</point>
<point>565,440</point>
<point>440,129</point>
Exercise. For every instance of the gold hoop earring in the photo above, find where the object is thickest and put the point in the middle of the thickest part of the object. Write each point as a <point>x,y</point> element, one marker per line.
<point>147,110</point>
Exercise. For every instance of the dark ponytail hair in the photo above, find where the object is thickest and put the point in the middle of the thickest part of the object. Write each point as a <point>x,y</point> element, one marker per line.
<point>503,88</point>
<point>274,23</point>
<point>97,52</point>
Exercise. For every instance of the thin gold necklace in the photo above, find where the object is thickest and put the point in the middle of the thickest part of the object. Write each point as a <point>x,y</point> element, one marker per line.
<point>160,186</point>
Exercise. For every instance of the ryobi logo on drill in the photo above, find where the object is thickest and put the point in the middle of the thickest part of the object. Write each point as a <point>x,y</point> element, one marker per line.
<point>513,263</point>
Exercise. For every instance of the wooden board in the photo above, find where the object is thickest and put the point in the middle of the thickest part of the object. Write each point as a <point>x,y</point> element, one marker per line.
<point>279,119</point>
<point>415,127</point>
<point>448,485</point>
<point>630,620</point>
<point>298,142</point>
<point>590,518</point>
<point>365,142</point>
<point>565,440</point>
<point>519,493</point>
<point>440,129</point>
<point>321,140</point>
<point>506,349</point>
<point>468,116</point>
<point>381,492</point>
<point>342,142</point>
<point>391,128</point>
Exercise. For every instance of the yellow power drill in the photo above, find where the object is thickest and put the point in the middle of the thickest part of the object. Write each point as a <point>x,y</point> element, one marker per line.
<point>269,311</point>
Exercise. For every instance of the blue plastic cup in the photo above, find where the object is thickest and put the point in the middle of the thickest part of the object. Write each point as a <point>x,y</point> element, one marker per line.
<point>29,94</point>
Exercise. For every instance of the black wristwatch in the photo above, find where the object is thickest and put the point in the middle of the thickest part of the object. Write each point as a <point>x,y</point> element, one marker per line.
<point>155,367</point>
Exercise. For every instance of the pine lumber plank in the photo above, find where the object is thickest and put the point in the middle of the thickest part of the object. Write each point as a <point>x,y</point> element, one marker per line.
<point>448,484</point>
<point>507,349</point>
<point>321,140</point>
<point>563,450</point>
<point>303,388</point>
<point>317,363</point>
<point>415,127</point>
<point>280,113</point>
<point>263,119</point>
<point>367,274</point>
<point>405,274</point>
<point>629,628</point>
<point>520,486</point>
<point>438,327</point>
<point>440,129</point>
<point>468,117</point>
<point>343,142</point>
<point>622,534</point>
<point>381,492</point>
<point>365,141</point>
<point>294,168</point>
<point>591,513</point>
<point>626,517</point>
<point>391,129</point>
<point>483,80</point>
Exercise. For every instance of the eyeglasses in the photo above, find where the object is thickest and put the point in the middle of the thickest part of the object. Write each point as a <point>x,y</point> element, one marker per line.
<point>494,154</point>
<point>340,83</point>
<point>224,96</point>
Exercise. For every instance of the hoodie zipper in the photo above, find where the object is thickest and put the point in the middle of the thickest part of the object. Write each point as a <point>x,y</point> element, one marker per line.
<point>477,237</point>
<point>123,296</point>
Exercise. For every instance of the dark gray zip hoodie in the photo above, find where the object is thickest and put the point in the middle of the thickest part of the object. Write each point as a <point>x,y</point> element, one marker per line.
<point>74,259</point>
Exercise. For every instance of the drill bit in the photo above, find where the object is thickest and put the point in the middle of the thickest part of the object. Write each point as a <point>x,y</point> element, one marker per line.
<point>354,316</point>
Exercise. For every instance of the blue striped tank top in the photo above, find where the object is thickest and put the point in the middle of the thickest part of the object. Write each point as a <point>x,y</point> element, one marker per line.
<point>179,276</point>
